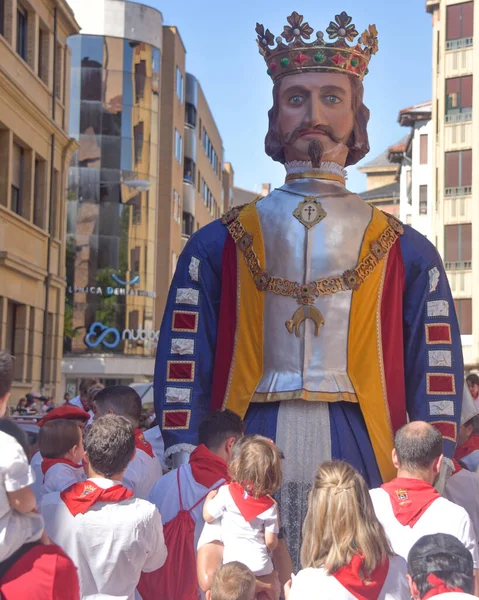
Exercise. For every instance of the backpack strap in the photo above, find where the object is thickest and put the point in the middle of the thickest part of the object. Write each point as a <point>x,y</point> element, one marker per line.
<point>179,486</point>
<point>201,499</point>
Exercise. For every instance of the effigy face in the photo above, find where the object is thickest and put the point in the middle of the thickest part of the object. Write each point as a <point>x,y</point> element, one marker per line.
<point>315,114</point>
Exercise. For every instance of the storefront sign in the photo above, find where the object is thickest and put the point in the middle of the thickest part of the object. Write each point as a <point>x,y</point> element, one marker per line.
<point>109,290</point>
<point>110,337</point>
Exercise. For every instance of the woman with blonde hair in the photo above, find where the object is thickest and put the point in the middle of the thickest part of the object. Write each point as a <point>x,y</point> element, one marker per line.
<point>345,552</point>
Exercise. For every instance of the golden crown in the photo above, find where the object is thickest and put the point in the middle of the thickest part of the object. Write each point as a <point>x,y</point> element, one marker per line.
<point>297,55</point>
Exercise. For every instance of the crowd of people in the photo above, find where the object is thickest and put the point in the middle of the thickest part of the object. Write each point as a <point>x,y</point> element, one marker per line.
<point>94,514</point>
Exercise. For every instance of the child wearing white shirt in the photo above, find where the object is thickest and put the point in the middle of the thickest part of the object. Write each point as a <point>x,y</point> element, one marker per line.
<point>249,515</point>
<point>60,443</point>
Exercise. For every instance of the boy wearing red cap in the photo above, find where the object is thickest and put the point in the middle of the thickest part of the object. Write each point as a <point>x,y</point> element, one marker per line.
<point>72,413</point>
<point>61,445</point>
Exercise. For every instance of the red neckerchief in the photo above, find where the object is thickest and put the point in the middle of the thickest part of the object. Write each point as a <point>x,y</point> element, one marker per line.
<point>471,445</point>
<point>206,467</point>
<point>142,444</point>
<point>248,506</point>
<point>410,498</point>
<point>47,463</point>
<point>439,587</point>
<point>80,497</point>
<point>457,467</point>
<point>361,585</point>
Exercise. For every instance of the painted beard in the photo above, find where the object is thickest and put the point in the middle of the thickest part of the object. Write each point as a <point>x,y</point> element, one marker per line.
<point>315,151</point>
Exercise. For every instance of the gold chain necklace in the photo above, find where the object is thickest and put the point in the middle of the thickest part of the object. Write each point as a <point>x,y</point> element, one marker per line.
<point>307,294</point>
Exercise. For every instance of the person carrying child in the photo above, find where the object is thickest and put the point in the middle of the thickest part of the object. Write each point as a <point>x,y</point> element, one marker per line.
<point>249,515</point>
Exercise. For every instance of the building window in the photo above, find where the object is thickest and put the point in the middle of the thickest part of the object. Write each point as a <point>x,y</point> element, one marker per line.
<point>458,175</point>
<point>189,170</point>
<point>22,31</point>
<point>460,21</point>
<point>140,80</point>
<point>138,132</point>
<point>464,315</point>
<point>178,147</point>
<point>136,207</point>
<point>423,199</point>
<point>458,246</point>
<point>39,193</point>
<point>423,149</point>
<point>135,259</point>
<point>59,71</point>
<point>180,84</point>
<point>11,327</point>
<point>17,179</point>
<point>188,225</point>
<point>459,98</point>
<point>41,38</point>
<point>210,152</point>
<point>2,17</point>
<point>190,114</point>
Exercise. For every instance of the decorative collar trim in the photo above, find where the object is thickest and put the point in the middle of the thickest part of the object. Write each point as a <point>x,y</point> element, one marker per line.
<point>304,166</point>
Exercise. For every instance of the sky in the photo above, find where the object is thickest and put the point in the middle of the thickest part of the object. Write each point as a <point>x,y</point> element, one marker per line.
<point>221,52</point>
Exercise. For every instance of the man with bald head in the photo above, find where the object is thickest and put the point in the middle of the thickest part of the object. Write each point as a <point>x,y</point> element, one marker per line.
<point>409,507</point>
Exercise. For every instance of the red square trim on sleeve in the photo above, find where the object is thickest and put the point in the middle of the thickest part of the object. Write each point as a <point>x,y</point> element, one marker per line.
<point>176,419</point>
<point>183,370</point>
<point>440,383</point>
<point>447,428</point>
<point>438,333</point>
<point>185,320</point>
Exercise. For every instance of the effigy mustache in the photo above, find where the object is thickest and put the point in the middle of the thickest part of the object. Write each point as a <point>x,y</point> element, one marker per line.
<point>290,138</point>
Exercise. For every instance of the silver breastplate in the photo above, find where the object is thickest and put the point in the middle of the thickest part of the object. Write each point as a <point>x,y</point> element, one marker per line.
<point>308,366</point>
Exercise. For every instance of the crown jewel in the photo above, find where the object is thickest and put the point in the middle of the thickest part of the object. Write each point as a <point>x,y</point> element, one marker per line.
<point>295,55</point>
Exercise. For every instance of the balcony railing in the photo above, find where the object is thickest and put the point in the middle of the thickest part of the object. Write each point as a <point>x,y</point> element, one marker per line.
<point>465,190</point>
<point>458,265</point>
<point>457,44</point>
<point>459,117</point>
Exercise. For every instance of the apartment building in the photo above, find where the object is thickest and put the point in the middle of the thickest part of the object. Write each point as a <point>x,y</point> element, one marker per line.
<point>455,183</point>
<point>35,150</point>
<point>147,175</point>
<point>191,163</point>
<point>382,183</point>
<point>113,191</point>
<point>417,206</point>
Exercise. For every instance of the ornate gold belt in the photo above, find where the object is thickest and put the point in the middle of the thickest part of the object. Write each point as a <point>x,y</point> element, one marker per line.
<point>307,294</point>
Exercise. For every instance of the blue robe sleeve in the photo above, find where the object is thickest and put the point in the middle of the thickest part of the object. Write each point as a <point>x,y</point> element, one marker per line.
<point>434,370</point>
<point>187,344</point>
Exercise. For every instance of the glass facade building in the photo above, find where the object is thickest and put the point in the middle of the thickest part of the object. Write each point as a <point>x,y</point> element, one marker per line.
<point>112,196</point>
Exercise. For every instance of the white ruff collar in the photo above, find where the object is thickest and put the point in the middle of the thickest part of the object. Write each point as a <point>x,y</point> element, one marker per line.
<point>305,166</point>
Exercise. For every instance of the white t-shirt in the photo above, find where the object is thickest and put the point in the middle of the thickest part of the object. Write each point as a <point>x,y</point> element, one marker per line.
<point>316,584</point>
<point>164,495</point>
<point>111,544</point>
<point>243,540</point>
<point>16,528</point>
<point>462,488</point>
<point>442,516</point>
<point>59,477</point>
<point>142,473</point>
<point>155,438</point>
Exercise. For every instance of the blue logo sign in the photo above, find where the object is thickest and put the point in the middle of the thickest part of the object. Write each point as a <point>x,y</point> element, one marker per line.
<point>125,283</point>
<point>98,333</point>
